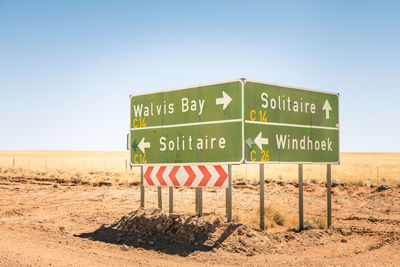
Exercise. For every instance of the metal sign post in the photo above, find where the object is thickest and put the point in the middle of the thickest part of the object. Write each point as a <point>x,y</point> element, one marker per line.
<point>159,194</point>
<point>141,188</point>
<point>200,201</point>
<point>196,200</point>
<point>171,199</point>
<point>301,218</point>
<point>328,197</point>
<point>262,197</point>
<point>229,195</point>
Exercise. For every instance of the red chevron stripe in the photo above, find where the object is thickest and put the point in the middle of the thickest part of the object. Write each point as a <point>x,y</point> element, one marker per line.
<point>159,175</point>
<point>222,175</point>
<point>147,175</point>
<point>172,175</point>
<point>206,176</point>
<point>191,174</point>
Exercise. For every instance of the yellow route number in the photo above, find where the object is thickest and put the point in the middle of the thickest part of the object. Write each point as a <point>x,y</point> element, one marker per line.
<point>139,123</point>
<point>264,155</point>
<point>139,158</point>
<point>262,115</point>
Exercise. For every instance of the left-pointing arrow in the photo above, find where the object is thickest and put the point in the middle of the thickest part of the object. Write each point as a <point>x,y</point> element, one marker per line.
<point>143,145</point>
<point>259,141</point>
<point>249,142</point>
<point>147,175</point>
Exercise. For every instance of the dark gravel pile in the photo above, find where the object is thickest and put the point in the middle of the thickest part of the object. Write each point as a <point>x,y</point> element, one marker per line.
<point>176,233</point>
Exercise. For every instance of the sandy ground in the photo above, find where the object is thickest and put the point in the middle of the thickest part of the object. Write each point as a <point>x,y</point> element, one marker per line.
<point>44,223</point>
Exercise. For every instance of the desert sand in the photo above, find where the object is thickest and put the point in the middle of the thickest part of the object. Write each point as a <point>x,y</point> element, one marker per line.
<point>84,216</point>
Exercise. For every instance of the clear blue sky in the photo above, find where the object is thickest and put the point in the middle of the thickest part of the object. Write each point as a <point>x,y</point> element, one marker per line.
<point>67,68</point>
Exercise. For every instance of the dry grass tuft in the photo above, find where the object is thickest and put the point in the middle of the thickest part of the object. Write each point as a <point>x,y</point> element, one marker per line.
<point>75,177</point>
<point>275,216</point>
<point>355,168</point>
<point>315,223</point>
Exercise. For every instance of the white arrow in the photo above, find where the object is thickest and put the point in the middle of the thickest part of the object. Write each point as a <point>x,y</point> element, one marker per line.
<point>249,142</point>
<point>327,109</point>
<point>224,100</point>
<point>143,145</point>
<point>259,141</point>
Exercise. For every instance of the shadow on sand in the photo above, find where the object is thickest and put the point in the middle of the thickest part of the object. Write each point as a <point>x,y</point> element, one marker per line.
<point>158,240</point>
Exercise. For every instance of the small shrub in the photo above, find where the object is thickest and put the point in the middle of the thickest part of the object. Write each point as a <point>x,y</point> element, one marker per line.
<point>235,217</point>
<point>358,182</point>
<point>315,223</point>
<point>274,216</point>
<point>76,180</point>
<point>320,222</point>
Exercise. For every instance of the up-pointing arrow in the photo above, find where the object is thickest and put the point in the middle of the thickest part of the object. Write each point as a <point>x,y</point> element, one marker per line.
<point>327,107</point>
<point>224,100</point>
<point>143,145</point>
<point>259,141</point>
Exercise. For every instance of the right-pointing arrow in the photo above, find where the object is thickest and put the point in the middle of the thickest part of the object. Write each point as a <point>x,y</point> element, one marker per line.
<point>327,107</point>
<point>191,175</point>
<point>259,141</point>
<point>206,176</point>
<point>224,100</point>
<point>222,175</point>
<point>143,145</point>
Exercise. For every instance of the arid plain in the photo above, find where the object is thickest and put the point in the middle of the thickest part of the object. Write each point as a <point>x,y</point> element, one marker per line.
<point>81,208</point>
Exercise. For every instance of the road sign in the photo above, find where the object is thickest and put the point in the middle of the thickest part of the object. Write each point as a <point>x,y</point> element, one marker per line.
<point>287,124</point>
<point>191,176</point>
<point>197,125</point>
<point>235,122</point>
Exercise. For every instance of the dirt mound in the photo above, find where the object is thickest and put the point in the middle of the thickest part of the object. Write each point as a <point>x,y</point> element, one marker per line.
<point>159,230</point>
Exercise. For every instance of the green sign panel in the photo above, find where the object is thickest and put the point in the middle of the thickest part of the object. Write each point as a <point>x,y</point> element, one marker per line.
<point>235,122</point>
<point>285,124</point>
<point>200,124</point>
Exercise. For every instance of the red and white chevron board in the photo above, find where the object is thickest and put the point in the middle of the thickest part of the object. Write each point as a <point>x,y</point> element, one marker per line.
<point>191,176</point>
